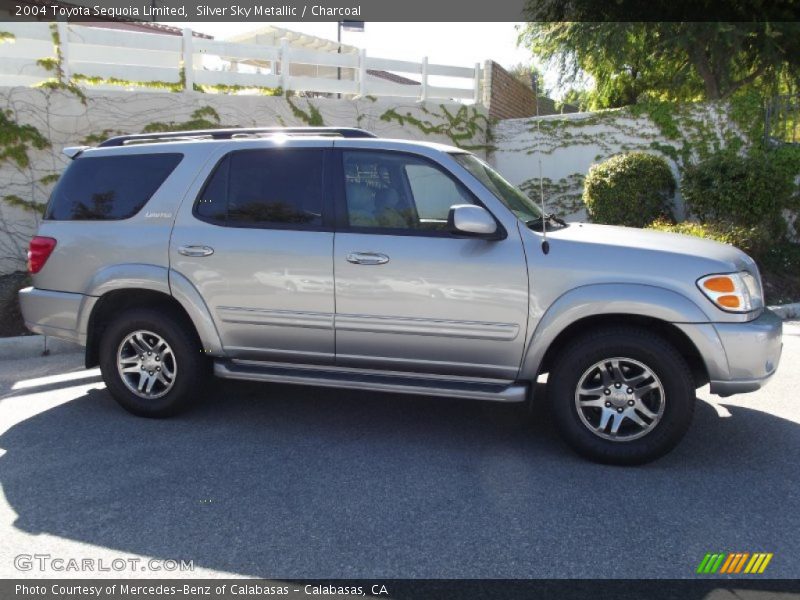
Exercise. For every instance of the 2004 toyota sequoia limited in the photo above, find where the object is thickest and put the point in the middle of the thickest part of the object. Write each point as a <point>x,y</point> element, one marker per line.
<point>330,257</point>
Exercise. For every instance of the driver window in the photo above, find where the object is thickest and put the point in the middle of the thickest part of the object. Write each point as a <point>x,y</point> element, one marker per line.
<point>388,190</point>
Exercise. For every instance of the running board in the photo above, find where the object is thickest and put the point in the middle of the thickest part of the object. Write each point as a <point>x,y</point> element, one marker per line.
<point>397,384</point>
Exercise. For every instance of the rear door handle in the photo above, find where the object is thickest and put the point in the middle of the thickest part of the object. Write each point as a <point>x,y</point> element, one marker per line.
<point>196,250</point>
<point>367,258</point>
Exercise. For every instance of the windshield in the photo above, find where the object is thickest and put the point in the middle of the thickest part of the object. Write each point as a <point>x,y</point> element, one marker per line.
<point>512,197</point>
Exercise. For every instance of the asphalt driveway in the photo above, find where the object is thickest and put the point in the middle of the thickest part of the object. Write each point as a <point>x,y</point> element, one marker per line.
<point>288,482</point>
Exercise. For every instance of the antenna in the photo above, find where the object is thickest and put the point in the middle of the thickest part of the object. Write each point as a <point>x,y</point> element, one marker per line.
<point>535,85</point>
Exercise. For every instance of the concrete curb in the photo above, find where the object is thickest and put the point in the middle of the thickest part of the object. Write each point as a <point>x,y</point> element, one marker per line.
<point>787,311</point>
<point>32,346</point>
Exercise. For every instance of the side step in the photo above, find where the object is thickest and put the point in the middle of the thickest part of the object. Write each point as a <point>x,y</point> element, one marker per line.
<point>379,382</point>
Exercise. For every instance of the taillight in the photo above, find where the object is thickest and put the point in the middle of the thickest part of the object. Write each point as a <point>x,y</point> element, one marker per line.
<point>39,251</point>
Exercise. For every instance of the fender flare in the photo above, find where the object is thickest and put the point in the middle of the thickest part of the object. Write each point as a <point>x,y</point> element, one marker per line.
<point>158,279</point>
<point>131,275</point>
<point>187,295</point>
<point>605,299</point>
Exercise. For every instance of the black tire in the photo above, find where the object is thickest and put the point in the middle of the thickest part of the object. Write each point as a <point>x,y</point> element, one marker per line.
<point>192,365</point>
<point>659,356</point>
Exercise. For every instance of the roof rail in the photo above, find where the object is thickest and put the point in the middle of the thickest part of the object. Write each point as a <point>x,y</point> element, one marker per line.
<point>227,134</point>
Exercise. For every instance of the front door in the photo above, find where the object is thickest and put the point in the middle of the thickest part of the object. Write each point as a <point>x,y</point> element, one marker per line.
<point>257,246</point>
<point>411,296</point>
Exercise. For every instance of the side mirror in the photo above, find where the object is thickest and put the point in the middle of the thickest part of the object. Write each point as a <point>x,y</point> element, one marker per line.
<point>468,219</point>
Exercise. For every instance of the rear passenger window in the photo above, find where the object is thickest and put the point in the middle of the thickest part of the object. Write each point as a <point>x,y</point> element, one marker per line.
<point>265,188</point>
<point>107,188</point>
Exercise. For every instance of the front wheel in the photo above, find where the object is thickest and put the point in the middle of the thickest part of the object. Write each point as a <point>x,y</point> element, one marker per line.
<point>151,363</point>
<point>621,395</point>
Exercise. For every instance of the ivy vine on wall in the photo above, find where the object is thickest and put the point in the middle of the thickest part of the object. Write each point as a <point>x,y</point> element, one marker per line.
<point>312,118</point>
<point>460,127</point>
<point>682,133</point>
<point>202,118</point>
<point>55,65</point>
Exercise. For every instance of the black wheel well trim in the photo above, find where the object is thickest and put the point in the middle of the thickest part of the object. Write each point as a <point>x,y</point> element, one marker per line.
<point>666,330</point>
<point>116,301</point>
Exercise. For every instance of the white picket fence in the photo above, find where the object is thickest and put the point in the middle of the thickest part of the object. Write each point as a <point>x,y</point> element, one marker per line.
<point>147,57</point>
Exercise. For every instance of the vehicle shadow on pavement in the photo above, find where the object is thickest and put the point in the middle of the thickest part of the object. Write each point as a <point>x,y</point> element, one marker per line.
<point>291,482</point>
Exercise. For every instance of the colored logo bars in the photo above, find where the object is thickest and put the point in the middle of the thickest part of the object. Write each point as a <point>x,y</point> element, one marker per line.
<point>734,562</point>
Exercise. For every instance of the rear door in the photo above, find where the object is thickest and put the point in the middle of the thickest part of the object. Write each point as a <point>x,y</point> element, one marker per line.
<point>256,241</point>
<point>411,296</point>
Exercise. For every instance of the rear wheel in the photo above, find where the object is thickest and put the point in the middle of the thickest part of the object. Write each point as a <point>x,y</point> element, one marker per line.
<point>621,395</point>
<point>151,362</point>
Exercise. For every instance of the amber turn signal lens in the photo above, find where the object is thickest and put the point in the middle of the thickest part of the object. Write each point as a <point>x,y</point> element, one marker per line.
<point>720,284</point>
<point>729,301</point>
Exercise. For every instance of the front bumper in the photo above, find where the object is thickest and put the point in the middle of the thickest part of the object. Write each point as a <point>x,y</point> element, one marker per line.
<point>752,350</point>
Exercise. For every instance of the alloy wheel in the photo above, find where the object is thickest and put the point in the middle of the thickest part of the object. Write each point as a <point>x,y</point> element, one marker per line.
<point>620,399</point>
<point>146,364</point>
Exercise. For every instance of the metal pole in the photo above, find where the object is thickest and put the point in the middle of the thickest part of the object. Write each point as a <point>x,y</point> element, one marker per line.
<point>535,85</point>
<point>338,51</point>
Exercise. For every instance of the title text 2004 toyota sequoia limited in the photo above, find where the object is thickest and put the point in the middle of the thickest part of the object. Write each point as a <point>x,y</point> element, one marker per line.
<point>333,258</point>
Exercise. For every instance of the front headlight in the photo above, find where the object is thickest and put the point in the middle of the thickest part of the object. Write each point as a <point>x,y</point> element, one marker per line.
<point>733,292</point>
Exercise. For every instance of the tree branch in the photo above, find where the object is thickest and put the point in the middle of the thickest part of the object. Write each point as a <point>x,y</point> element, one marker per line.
<point>744,81</point>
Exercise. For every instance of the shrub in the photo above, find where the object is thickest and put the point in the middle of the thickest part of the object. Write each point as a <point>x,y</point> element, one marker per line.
<point>747,190</point>
<point>753,240</point>
<point>629,189</point>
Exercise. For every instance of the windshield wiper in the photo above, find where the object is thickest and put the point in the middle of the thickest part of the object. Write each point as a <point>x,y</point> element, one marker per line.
<point>539,223</point>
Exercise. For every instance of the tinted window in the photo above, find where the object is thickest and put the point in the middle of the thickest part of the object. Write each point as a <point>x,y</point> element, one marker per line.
<point>265,187</point>
<point>397,191</point>
<point>434,192</point>
<point>212,204</point>
<point>512,197</point>
<point>109,187</point>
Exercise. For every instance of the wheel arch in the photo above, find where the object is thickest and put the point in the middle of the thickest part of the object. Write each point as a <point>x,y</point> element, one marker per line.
<point>663,329</point>
<point>114,302</point>
<point>659,310</point>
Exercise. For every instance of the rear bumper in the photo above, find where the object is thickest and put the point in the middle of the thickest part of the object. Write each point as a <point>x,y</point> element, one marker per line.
<point>58,314</point>
<point>753,351</point>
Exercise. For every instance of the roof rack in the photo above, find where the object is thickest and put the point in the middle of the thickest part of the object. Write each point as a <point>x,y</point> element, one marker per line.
<point>227,134</point>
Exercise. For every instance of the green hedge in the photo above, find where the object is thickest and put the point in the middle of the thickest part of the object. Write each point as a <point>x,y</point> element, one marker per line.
<point>748,191</point>
<point>753,240</point>
<point>629,189</point>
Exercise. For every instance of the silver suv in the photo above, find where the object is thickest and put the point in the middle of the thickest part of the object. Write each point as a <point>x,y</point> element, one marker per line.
<point>333,258</point>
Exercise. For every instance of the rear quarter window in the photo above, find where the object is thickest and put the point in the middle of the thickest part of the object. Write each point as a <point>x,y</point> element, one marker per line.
<point>109,188</point>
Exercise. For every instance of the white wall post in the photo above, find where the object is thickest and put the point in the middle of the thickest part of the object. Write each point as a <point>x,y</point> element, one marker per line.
<point>362,72</point>
<point>63,38</point>
<point>423,95</point>
<point>188,60</point>
<point>477,84</point>
<point>284,56</point>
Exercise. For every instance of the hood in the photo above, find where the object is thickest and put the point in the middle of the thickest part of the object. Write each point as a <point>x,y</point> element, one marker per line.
<point>694,249</point>
<point>583,254</point>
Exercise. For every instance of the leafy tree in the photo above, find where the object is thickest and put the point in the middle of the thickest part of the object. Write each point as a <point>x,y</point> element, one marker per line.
<point>667,60</point>
<point>580,98</point>
<point>522,73</point>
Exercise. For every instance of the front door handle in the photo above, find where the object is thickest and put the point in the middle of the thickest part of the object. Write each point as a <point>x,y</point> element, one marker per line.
<point>196,250</point>
<point>367,258</point>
